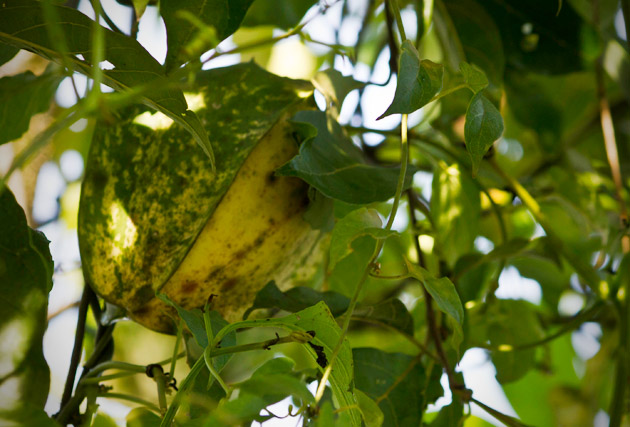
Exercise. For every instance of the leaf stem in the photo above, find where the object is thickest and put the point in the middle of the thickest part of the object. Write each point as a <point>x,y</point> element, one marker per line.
<point>212,352</point>
<point>167,420</point>
<point>430,313</point>
<point>178,338</point>
<point>448,91</point>
<point>404,148</point>
<point>130,398</point>
<point>393,4</point>
<point>505,419</point>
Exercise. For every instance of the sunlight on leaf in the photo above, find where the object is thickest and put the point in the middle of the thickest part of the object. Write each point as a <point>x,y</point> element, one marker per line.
<point>418,82</point>
<point>484,125</point>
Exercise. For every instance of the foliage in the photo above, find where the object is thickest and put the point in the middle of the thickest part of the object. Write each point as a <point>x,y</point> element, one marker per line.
<point>503,152</point>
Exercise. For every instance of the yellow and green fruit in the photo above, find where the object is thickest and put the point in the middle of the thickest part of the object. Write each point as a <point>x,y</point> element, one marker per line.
<point>154,218</point>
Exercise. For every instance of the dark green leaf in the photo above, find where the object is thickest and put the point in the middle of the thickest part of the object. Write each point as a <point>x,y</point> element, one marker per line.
<point>346,275</point>
<point>296,299</point>
<point>7,53</point>
<point>535,107</point>
<point>22,25</point>
<point>479,37</point>
<point>391,313</point>
<point>418,82</point>
<point>536,38</point>
<point>358,223</point>
<point>332,164</point>
<point>25,415</point>
<point>26,269</point>
<point>450,415</point>
<point>278,13</point>
<point>376,372</point>
<point>445,295</point>
<point>274,381</point>
<point>473,77</point>
<point>192,318</point>
<point>320,211</point>
<point>23,96</point>
<point>224,15</point>
<point>140,417</point>
<point>484,125</point>
<point>240,411</point>
<point>506,324</point>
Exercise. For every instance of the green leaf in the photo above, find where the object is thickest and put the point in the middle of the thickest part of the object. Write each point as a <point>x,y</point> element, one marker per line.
<point>224,15</point>
<point>445,295</point>
<point>192,318</point>
<point>376,372</point>
<point>335,87</point>
<point>347,273</point>
<point>391,312</point>
<point>25,414</point>
<point>450,415</point>
<point>331,163</point>
<point>141,417</point>
<point>318,322</point>
<point>7,53</point>
<point>22,25</point>
<point>103,420</point>
<point>139,6</point>
<point>456,210</point>
<point>240,411</point>
<point>26,269</point>
<point>474,78</point>
<point>274,381</point>
<point>358,223</point>
<point>326,416</point>
<point>479,37</point>
<point>418,82</point>
<point>296,299</point>
<point>506,324</point>
<point>484,125</point>
<point>23,96</point>
<point>372,414</point>
<point>552,44</point>
<point>283,14</point>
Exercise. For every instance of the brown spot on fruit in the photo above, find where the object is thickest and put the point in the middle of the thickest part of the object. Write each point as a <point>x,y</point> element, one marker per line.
<point>189,286</point>
<point>229,284</point>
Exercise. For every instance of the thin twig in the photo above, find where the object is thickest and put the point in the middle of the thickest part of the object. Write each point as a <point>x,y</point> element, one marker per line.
<point>63,309</point>
<point>608,131</point>
<point>75,359</point>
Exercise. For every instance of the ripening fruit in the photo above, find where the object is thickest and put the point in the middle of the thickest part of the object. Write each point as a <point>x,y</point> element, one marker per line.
<point>154,218</point>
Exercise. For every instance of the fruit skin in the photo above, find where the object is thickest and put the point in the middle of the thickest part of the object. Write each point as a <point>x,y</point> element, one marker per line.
<point>153,218</point>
